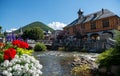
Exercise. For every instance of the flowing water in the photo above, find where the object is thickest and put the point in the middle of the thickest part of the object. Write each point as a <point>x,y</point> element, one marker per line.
<point>57,63</point>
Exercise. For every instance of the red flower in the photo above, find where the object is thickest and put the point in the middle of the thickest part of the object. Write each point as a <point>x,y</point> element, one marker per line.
<point>9,54</point>
<point>20,44</point>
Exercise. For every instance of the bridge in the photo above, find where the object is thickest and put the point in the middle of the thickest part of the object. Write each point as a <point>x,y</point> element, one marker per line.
<point>47,43</point>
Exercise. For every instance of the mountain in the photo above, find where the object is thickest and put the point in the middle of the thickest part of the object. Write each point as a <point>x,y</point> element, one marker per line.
<point>35,24</point>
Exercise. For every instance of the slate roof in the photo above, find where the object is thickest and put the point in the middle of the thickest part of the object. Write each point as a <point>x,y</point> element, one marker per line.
<point>92,17</point>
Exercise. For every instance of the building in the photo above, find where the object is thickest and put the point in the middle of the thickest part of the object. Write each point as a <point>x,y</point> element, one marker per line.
<point>55,34</point>
<point>94,25</point>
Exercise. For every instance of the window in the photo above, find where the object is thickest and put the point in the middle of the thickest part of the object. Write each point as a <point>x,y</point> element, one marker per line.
<point>105,23</point>
<point>74,29</point>
<point>83,26</point>
<point>93,25</point>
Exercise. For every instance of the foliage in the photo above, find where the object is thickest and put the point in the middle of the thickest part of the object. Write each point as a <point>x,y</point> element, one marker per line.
<point>78,35</point>
<point>61,49</point>
<point>40,47</point>
<point>84,50</point>
<point>35,33</point>
<point>1,56</point>
<point>25,34</point>
<point>21,51</point>
<point>35,24</point>
<point>112,55</point>
<point>1,35</point>
<point>0,29</point>
<point>117,38</point>
<point>82,70</point>
<point>104,58</point>
<point>62,35</point>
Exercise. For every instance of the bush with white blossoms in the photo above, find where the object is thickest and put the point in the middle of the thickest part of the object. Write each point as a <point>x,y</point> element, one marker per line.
<point>19,62</point>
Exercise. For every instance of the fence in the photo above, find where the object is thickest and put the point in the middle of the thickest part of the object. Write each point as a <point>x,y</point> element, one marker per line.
<point>90,45</point>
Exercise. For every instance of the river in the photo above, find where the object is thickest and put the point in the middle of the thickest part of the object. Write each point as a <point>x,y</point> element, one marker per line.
<point>57,63</point>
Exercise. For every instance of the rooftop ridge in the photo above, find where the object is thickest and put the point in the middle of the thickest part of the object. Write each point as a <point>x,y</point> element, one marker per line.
<point>104,13</point>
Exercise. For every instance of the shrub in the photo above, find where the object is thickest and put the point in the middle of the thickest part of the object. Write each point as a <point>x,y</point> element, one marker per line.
<point>61,49</point>
<point>84,50</point>
<point>82,70</point>
<point>112,55</point>
<point>104,58</point>
<point>21,51</point>
<point>40,47</point>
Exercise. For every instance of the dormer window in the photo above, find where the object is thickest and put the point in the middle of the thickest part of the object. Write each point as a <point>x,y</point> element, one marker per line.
<point>105,23</point>
<point>95,15</point>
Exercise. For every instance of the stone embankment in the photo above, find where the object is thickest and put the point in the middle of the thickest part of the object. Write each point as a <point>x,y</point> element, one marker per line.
<point>114,70</point>
<point>78,61</point>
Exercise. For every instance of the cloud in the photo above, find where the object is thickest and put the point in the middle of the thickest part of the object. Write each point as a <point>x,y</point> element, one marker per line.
<point>12,29</point>
<point>57,25</point>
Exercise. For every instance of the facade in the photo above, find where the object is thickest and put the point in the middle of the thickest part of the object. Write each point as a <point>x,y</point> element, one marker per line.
<point>95,25</point>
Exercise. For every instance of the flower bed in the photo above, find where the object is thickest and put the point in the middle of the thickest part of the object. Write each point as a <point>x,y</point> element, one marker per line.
<point>16,60</point>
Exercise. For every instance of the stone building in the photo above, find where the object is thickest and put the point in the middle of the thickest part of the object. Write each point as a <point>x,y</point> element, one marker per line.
<point>94,25</point>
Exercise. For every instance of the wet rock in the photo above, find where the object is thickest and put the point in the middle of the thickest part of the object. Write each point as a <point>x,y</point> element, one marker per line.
<point>78,60</point>
<point>102,70</point>
<point>81,60</point>
<point>115,69</point>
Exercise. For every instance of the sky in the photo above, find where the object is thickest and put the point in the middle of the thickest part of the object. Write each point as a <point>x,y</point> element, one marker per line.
<point>54,13</point>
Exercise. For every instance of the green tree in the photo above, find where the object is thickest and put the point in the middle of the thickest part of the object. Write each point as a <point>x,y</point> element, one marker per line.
<point>1,35</point>
<point>35,33</point>
<point>25,34</point>
<point>0,29</point>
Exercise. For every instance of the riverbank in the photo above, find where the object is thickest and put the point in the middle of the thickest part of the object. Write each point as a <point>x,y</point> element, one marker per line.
<point>57,63</point>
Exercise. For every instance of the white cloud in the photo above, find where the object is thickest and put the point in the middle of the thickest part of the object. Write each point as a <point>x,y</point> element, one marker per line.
<point>57,25</point>
<point>12,29</point>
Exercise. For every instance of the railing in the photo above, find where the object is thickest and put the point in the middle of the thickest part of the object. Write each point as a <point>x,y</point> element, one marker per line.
<point>46,42</point>
<point>91,45</point>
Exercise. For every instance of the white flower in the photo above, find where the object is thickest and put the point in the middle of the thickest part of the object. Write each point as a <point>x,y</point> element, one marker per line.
<point>39,72</point>
<point>33,68</point>
<point>16,56</point>
<point>10,64</point>
<point>39,66</point>
<point>35,74</point>
<point>9,69</point>
<point>24,65</point>
<point>30,71</point>
<point>16,73</point>
<point>10,74</point>
<point>6,63</point>
<point>5,73</point>
<point>16,67</point>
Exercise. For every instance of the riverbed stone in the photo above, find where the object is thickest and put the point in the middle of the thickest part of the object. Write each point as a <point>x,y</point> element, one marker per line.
<point>115,69</point>
<point>80,61</point>
<point>103,70</point>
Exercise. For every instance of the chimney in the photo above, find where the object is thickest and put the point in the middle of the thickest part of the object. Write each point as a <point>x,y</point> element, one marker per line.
<point>80,13</point>
<point>102,11</point>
